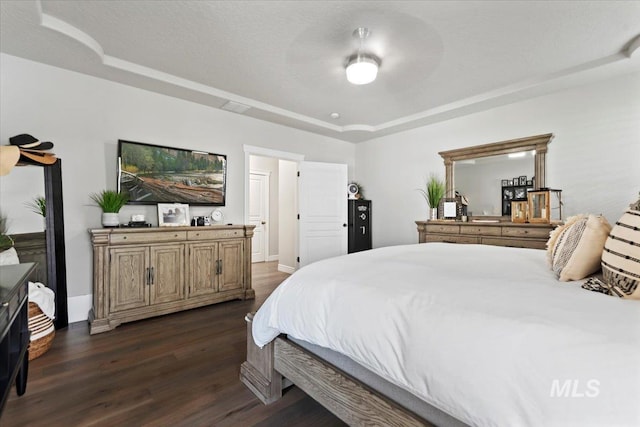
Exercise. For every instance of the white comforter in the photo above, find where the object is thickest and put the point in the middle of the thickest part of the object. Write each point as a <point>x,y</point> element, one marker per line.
<point>484,333</point>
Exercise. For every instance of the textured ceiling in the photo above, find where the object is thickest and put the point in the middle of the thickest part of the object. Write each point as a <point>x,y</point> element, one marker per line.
<point>286,59</point>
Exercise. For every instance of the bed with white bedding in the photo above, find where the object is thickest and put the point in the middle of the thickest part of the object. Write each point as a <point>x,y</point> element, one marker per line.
<point>486,334</point>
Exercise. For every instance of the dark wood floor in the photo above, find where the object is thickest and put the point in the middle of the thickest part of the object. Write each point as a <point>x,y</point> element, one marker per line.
<point>176,370</point>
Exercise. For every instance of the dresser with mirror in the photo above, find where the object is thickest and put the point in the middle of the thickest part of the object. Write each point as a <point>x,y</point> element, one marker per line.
<point>478,173</point>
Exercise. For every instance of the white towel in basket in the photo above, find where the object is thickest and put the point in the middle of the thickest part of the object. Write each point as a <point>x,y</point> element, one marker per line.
<point>43,297</point>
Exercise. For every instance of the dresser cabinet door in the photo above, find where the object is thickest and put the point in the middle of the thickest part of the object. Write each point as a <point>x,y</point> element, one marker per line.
<point>231,257</point>
<point>167,273</point>
<point>203,261</point>
<point>128,286</point>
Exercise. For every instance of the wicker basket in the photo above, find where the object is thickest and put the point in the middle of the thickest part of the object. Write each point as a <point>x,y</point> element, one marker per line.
<point>42,331</point>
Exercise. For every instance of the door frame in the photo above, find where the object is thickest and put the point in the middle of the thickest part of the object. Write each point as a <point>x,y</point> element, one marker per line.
<point>267,203</point>
<point>251,150</point>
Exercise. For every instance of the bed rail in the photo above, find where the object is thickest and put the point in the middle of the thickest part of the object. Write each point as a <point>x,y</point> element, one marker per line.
<point>347,398</point>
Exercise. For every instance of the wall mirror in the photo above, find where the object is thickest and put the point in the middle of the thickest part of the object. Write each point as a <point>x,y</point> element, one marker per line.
<point>478,171</point>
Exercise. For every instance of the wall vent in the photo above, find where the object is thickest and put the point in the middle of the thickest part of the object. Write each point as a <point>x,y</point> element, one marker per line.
<point>235,107</point>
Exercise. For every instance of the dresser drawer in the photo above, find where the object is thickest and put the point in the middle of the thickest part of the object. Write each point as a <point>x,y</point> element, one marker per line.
<point>431,238</point>
<point>514,243</point>
<point>16,300</point>
<point>443,228</point>
<point>483,230</point>
<point>153,237</point>
<point>540,232</point>
<point>214,234</point>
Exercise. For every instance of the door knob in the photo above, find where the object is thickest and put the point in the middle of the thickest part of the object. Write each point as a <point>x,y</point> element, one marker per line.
<point>344,225</point>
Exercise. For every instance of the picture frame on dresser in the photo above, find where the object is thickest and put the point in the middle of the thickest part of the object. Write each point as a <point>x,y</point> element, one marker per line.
<point>507,193</point>
<point>450,208</point>
<point>173,214</point>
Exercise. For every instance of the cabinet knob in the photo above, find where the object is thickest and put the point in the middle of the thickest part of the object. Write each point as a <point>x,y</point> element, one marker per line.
<point>124,238</point>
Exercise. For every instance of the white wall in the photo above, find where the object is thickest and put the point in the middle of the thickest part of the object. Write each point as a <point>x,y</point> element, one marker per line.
<point>594,157</point>
<point>85,116</point>
<point>288,239</point>
<point>270,165</point>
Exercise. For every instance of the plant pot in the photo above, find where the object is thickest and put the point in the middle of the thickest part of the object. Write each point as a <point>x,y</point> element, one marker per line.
<point>433,213</point>
<point>110,219</point>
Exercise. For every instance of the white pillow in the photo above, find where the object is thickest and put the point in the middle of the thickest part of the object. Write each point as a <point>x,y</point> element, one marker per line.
<point>9,257</point>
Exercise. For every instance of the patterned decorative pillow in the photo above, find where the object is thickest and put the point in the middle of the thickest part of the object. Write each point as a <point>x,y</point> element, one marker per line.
<point>555,234</point>
<point>574,250</point>
<point>621,257</point>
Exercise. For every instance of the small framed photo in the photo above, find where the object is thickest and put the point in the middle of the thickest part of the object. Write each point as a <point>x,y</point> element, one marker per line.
<point>507,194</point>
<point>520,193</point>
<point>173,214</point>
<point>449,208</point>
<point>523,180</point>
<point>505,182</point>
<point>516,180</point>
<point>529,183</point>
<point>510,182</point>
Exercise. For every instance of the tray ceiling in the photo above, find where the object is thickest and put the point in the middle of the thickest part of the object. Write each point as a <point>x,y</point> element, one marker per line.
<point>285,59</point>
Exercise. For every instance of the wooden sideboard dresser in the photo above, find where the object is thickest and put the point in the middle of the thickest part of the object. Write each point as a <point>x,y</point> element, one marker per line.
<point>145,272</point>
<point>510,234</point>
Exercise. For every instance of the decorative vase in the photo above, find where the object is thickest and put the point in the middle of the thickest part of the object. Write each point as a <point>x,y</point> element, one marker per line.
<point>110,219</point>
<point>433,213</point>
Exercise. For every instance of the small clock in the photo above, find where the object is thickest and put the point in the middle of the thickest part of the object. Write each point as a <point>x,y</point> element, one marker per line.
<point>217,216</point>
<point>352,191</point>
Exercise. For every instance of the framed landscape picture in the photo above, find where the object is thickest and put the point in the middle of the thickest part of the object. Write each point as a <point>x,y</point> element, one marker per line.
<point>151,174</point>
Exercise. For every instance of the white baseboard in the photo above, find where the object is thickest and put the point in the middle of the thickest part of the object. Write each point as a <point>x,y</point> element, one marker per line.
<point>78,307</point>
<point>272,258</point>
<point>286,269</point>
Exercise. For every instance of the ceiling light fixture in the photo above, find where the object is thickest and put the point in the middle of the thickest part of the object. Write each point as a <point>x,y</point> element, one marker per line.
<point>362,67</point>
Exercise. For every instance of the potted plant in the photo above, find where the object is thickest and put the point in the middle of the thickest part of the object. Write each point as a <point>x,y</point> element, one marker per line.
<point>111,202</point>
<point>433,193</point>
<point>6,242</point>
<point>38,205</point>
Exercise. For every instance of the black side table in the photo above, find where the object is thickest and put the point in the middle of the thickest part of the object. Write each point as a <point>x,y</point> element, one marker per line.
<point>14,328</point>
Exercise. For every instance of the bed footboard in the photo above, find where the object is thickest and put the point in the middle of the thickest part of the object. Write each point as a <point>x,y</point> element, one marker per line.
<point>354,403</point>
<point>258,372</point>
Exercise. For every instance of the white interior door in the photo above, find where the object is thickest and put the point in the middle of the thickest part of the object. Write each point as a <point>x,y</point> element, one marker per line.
<point>322,195</point>
<point>258,214</point>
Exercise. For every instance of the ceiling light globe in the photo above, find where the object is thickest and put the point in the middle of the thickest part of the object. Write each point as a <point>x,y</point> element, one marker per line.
<point>362,70</point>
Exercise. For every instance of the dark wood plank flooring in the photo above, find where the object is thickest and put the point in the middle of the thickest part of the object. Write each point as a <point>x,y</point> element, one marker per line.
<point>176,370</point>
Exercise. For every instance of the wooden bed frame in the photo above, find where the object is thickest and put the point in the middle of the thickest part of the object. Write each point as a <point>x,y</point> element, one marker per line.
<point>268,370</point>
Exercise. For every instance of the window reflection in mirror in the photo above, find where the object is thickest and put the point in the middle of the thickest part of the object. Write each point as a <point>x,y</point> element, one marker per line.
<point>481,180</point>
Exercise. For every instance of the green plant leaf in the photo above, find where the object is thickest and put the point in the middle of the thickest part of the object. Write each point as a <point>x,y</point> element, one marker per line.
<point>434,191</point>
<point>110,201</point>
<point>38,205</point>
